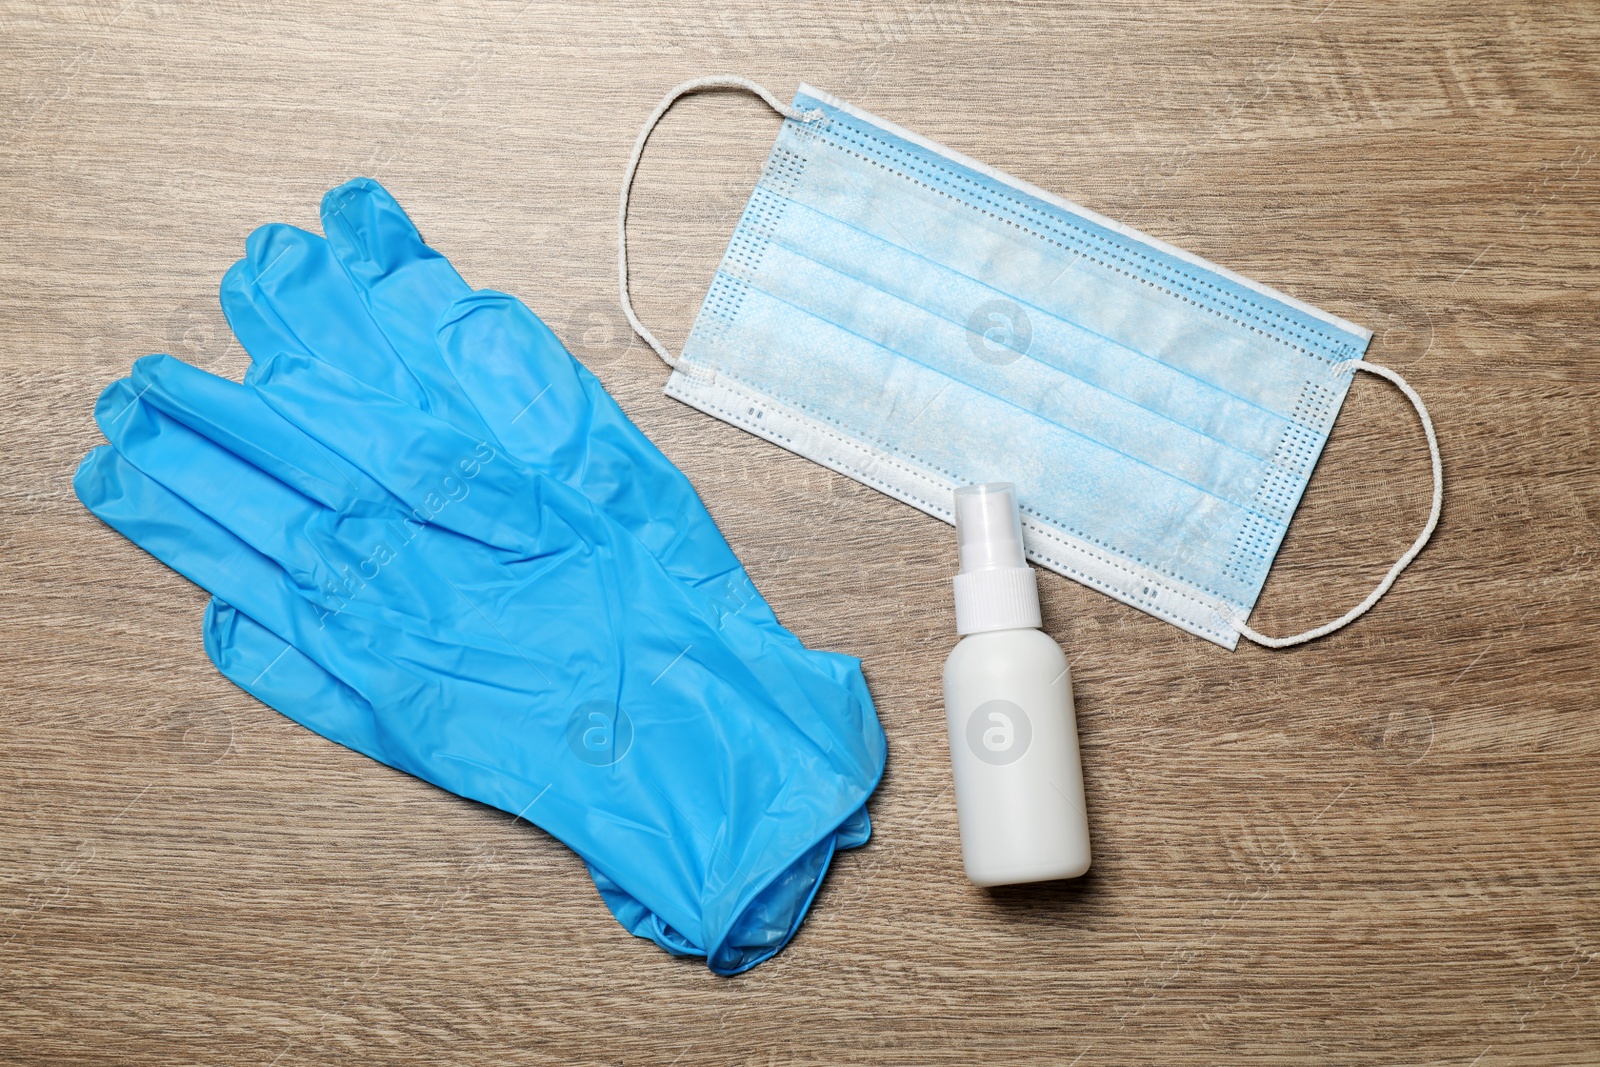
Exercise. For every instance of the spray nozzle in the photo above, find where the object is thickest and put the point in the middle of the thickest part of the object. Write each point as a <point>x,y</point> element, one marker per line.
<point>995,588</point>
<point>988,527</point>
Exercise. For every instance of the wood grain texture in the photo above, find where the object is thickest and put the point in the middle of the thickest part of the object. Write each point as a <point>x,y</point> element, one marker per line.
<point>1381,848</point>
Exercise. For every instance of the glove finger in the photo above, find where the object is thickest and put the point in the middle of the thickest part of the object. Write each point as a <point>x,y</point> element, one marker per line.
<point>179,535</point>
<point>287,680</point>
<point>237,420</point>
<point>523,383</point>
<point>342,638</point>
<point>289,294</point>
<point>439,473</point>
<point>405,284</point>
<point>251,504</point>
<point>331,552</point>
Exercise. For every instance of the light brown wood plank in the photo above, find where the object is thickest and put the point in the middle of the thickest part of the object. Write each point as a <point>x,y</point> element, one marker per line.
<point>1380,848</point>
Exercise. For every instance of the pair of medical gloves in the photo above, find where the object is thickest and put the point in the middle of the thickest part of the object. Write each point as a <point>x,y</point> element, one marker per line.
<point>431,536</point>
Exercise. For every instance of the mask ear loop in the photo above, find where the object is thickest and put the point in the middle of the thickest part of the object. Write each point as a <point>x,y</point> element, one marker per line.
<point>1411,553</point>
<point>715,81</point>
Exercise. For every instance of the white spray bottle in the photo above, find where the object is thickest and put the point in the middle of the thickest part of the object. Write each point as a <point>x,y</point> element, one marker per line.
<point>1008,706</point>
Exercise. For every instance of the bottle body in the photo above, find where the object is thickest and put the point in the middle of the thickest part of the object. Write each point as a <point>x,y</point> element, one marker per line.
<point>1014,752</point>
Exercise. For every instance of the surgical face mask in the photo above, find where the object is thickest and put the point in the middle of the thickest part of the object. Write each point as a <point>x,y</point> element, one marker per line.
<point>919,321</point>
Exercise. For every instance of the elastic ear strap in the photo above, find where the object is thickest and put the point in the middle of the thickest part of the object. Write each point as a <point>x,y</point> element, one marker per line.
<point>1411,553</point>
<point>715,81</point>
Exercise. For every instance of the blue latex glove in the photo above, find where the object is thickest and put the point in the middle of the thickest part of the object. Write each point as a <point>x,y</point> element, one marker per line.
<point>367,300</point>
<point>496,623</point>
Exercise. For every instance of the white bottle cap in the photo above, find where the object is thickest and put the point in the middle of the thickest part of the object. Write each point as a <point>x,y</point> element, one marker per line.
<point>995,587</point>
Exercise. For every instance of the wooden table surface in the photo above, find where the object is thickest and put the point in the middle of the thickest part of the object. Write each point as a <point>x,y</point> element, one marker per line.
<point>1379,848</point>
